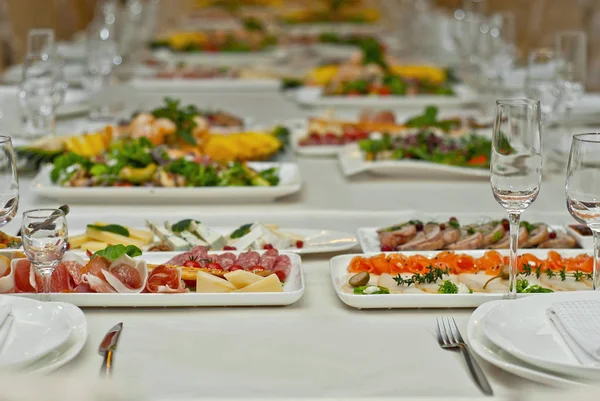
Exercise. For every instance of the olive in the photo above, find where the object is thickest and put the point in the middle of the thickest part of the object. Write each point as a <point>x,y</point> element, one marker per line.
<point>359,279</point>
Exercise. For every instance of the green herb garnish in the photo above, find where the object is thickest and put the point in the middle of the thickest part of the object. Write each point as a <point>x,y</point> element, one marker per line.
<point>361,290</point>
<point>114,252</point>
<point>241,231</point>
<point>434,274</point>
<point>182,225</point>
<point>112,228</point>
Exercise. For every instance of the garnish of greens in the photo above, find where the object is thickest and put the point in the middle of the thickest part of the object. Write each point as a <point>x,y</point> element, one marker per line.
<point>523,287</point>
<point>361,290</point>
<point>434,274</point>
<point>430,119</point>
<point>182,225</point>
<point>448,287</point>
<point>114,252</point>
<point>183,117</point>
<point>111,228</point>
<point>241,231</point>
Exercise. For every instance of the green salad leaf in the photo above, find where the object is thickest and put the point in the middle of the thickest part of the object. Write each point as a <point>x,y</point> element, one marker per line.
<point>448,287</point>
<point>111,228</point>
<point>182,225</point>
<point>114,252</point>
<point>183,117</point>
<point>361,290</point>
<point>241,231</point>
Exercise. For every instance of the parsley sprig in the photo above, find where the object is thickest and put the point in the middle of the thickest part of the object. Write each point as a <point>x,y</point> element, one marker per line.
<point>527,270</point>
<point>434,274</point>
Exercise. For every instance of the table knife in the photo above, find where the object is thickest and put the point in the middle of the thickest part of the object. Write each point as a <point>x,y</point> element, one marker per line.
<point>108,347</point>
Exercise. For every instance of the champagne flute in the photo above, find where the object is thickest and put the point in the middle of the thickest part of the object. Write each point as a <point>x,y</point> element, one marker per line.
<point>44,236</point>
<point>541,83</point>
<point>516,166</point>
<point>582,189</point>
<point>9,184</point>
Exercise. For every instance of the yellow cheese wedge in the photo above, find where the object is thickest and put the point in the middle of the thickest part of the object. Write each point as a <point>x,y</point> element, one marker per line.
<point>267,284</point>
<point>112,238</point>
<point>76,240</point>
<point>146,236</point>
<point>206,282</point>
<point>93,246</point>
<point>242,278</point>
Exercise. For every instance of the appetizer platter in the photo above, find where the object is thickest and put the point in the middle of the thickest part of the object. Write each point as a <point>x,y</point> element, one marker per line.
<point>420,235</point>
<point>326,135</point>
<point>461,279</point>
<point>120,276</point>
<point>185,234</point>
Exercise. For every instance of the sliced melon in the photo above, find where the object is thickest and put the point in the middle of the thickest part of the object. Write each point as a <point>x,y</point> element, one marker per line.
<point>267,284</point>
<point>206,282</point>
<point>242,278</point>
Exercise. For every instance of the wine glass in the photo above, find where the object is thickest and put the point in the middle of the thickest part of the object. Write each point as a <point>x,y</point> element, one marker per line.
<point>44,236</point>
<point>516,166</point>
<point>541,83</point>
<point>9,183</point>
<point>43,86</point>
<point>583,189</point>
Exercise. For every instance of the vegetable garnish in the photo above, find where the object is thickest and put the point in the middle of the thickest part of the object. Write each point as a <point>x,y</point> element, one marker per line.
<point>434,274</point>
<point>370,290</point>
<point>524,288</point>
<point>182,225</point>
<point>111,228</point>
<point>114,252</point>
<point>241,231</point>
<point>183,117</point>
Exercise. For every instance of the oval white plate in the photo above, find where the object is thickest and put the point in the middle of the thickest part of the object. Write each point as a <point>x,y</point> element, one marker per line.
<point>352,162</point>
<point>501,359</point>
<point>37,328</point>
<point>312,151</point>
<point>523,329</point>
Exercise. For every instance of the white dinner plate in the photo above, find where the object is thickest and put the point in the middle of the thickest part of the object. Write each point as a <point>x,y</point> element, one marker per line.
<point>523,329</point>
<point>313,96</point>
<point>339,277</point>
<point>352,162</point>
<point>489,352</point>
<point>290,182</point>
<point>369,239</point>
<point>315,241</point>
<point>36,329</point>
<point>208,84</point>
<point>293,289</point>
<point>584,241</point>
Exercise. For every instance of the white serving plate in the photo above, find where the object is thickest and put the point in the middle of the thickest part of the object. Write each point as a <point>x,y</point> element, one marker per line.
<point>584,241</point>
<point>489,352</point>
<point>293,290</point>
<point>218,58</point>
<point>290,182</point>
<point>339,275</point>
<point>208,84</point>
<point>523,329</point>
<point>352,163</point>
<point>312,151</point>
<point>369,240</point>
<point>315,241</point>
<point>313,97</point>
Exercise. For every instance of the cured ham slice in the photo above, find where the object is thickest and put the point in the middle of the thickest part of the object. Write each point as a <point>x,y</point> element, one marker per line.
<point>165,280</point>
<point>7,276</point>
<point>74,265</point>
<point>25,278</point>
<point>124,275</point>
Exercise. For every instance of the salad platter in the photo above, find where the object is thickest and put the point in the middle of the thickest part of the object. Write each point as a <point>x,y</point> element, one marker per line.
<point>448,279</point>
<point>121,276</point>
<point>185,234</point>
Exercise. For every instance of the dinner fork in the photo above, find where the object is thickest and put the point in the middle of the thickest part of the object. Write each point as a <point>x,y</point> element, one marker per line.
<point>449,337</point>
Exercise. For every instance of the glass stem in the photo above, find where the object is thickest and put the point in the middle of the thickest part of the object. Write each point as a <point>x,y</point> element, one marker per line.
<point>596,271</point>
<point>46,277</point>
<point>514,219</point>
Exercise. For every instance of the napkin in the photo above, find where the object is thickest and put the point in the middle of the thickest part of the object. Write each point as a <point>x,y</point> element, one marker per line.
<point>578,322</point>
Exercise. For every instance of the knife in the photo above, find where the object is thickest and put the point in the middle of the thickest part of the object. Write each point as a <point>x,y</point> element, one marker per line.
<point>108,347</point>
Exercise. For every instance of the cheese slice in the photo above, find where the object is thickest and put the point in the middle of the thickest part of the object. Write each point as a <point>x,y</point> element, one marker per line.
<point>187,236</point>
<point>206,282</point>
<point>112,238</point>
<point>242,278</point>
<point>76,240</point>
<point>269,237</point>
<point>267,284</point>
<point>245,242</point>
<point>144,235</point>
<point>178,244</point>
<point>215,240</point>
<point>93,246</point>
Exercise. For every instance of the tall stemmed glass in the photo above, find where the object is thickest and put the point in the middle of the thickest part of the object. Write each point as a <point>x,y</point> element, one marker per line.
<point>44,236</point>
<point>583,189</point>
<point>516,166</point>
<point>9,184</point>
<point>43,86</point>
<point>542,83</point>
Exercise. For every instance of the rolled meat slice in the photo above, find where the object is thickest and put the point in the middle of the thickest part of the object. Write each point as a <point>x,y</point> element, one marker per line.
<point>163,279</point>
<point>7,276</point>
<point>226,260</point>
<point>282,267</point>
<point>269,258</point>
<point>127,275</point>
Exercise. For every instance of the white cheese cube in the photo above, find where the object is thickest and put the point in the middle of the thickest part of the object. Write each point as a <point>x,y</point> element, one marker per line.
<point>245,242</point>
<point>215,240</point>
<point>178,244</point>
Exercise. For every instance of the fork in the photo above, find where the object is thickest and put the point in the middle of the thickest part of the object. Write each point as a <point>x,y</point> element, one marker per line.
<point>449,337</point>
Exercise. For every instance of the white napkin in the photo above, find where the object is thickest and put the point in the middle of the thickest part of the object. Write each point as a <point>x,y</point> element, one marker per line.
<point>578,322</point>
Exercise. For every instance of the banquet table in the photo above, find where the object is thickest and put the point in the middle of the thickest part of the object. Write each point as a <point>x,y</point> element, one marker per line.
<point>318,347</point>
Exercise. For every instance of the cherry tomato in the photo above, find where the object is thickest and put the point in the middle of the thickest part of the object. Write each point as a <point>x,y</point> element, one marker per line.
<point>385,248</point>
<point>88,253</point>
<point>235,267</point>
<point>384,91</point>
<point>192,263</point>
<point>214,266</point>
<point>281,275</point>
<point>299,244</point>
<point>268,246</point>
<point>229,248</point>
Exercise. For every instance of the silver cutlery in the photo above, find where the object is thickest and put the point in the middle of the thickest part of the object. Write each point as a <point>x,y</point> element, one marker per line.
<point>449,337</point>
<point>108,347</point>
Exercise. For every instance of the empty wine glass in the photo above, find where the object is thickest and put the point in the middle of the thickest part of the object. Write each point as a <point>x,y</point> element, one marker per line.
<point>44,236</point>
<point>9,184</point>
<point>43,86</point>
<point>516,166</point>
<point>583,189</point>
<point>541,83</point>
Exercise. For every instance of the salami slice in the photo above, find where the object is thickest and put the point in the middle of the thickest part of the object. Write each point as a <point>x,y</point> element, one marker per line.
<point>163,279</point>
<point>248,259</point>
<point>269,258</point>
<point>226,260</point>
<point>197,253</point>
<point>283,264</point>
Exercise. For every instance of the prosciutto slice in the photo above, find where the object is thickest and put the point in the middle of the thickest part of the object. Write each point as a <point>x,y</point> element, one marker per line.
<point>7,276</point>
<point>164,279</point>
<point>124,275</point>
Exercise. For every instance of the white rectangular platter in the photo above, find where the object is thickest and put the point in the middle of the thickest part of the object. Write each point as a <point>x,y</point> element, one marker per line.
<point>290,182</point>
<point>339,274</point>
<point>352,163</point>
<point>219,59</point>
<point>313,97</point>
<point>293,290</point>
<point>212,84</point>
